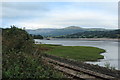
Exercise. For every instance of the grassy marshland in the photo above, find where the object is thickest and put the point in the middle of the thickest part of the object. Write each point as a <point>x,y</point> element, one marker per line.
<point>82,53</point>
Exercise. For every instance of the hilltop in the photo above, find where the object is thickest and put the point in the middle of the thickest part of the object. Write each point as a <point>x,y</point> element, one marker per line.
<point>52,32</point>
<point>73,27</point>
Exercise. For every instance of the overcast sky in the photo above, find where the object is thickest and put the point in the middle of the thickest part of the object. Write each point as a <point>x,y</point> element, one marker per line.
<point>33,15</point>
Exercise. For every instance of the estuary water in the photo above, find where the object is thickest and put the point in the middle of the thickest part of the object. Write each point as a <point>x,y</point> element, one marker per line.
<point>111,47</point>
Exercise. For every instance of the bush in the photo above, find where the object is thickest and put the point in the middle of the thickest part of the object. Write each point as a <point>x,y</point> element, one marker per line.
<point>21,58</point>
<point>15,39</point>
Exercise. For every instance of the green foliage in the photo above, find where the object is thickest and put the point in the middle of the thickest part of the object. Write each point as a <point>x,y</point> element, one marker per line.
<point>17,65</point>
<point>21,58</point>
<point>37,36</point>
<point>15,39</point>
<point>81,53</point>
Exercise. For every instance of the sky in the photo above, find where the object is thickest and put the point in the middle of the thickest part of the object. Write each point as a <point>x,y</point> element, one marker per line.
<point>34,15</point>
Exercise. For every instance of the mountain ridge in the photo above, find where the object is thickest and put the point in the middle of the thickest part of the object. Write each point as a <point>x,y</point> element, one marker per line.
<point>62,31</point>
<point>73,27</point>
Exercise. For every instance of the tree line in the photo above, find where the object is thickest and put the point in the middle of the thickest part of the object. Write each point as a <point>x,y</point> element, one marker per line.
<point>94,34</point>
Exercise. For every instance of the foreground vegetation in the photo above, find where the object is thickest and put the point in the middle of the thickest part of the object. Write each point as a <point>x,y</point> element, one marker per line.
<point>81,53</point>
<point>21,58</point>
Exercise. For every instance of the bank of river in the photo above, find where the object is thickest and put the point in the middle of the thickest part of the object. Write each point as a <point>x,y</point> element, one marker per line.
<point>87,39</point>
<point>111,47</point>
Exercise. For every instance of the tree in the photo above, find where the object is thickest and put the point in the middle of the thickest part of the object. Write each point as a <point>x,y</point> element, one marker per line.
<point>16,39</point>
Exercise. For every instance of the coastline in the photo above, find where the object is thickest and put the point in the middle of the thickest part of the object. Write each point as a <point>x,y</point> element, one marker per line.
<point>86,39</point>
<point>76,41</point>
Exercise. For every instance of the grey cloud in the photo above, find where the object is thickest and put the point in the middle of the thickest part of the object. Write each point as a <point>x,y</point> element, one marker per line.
<point>26,6</point>
<point>24,10</point>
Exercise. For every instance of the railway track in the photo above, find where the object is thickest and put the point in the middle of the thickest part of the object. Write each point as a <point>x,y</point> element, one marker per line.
<point>77,72</point>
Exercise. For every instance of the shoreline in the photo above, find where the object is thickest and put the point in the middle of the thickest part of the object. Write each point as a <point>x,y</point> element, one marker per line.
<point>82,41</point>
<point>90,39</point>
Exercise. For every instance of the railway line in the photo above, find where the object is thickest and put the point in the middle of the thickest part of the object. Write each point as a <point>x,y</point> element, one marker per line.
<point>76,72</point>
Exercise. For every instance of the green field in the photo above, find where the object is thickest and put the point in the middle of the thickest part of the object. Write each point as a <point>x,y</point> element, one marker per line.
<point>82,53</point>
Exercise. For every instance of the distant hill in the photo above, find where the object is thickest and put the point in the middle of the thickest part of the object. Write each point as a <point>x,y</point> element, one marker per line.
<point>94,34</point>
<point>59,32</point>
<point>97,29</point>
<point>73,27</point>
<point>42,31</point>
